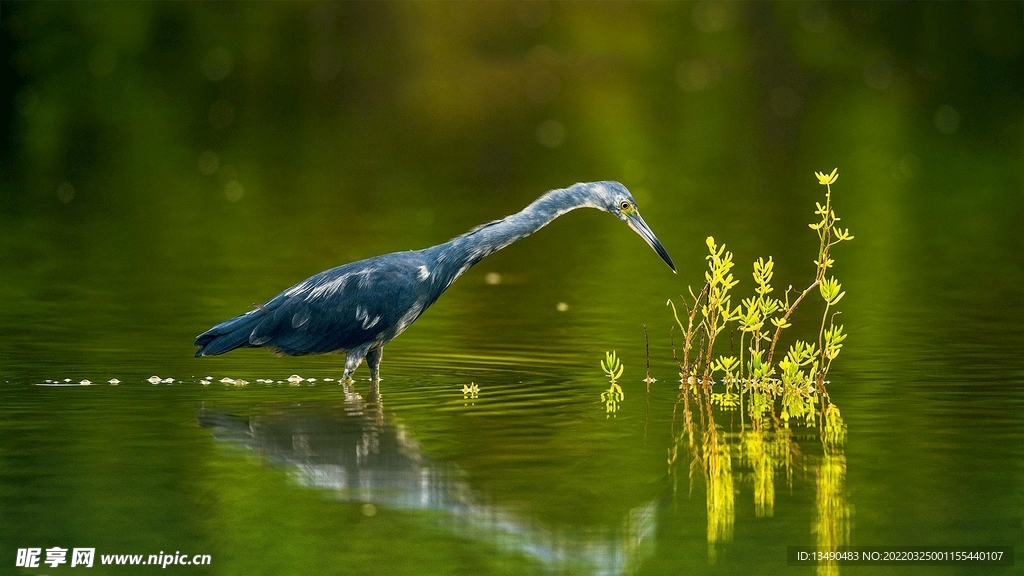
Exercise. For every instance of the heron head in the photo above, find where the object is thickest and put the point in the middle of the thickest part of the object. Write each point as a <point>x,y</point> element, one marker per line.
<point>613,198</point>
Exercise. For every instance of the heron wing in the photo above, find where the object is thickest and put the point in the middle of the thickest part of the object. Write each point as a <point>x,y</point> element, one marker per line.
<point>339,309</point>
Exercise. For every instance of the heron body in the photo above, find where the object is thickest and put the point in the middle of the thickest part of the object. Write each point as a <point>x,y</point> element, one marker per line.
<point>359,307</point>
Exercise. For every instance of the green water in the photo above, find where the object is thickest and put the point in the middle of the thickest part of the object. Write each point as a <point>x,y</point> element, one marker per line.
<point>167,165</point>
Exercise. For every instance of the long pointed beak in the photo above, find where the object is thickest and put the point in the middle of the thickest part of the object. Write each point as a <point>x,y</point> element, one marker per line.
<point>640,227</point>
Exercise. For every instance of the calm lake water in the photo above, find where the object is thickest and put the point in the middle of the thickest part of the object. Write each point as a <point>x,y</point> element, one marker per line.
<point>167,165</point>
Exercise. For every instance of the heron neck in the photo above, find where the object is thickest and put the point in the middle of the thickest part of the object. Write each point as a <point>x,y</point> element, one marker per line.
<point>461,253</point>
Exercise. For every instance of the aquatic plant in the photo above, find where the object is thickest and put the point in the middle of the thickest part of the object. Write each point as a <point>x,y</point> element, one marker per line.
<point>753,378</point>
<point>772,392</point>
<point>613,368</point>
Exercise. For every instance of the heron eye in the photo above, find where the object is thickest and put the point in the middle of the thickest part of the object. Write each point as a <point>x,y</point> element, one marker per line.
<point>624,206</point>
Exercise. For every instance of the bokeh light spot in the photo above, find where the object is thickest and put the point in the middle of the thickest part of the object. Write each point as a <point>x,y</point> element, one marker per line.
<point>66,192</point>
<point>551,133</point>
<point>712,16</point>
<point>878,73</point>
<point>208,163</point>
<point>234,191</point>
<point>906,168</point>
<point>217,64</point>
<point>947,119</point>
<point>697,75</point>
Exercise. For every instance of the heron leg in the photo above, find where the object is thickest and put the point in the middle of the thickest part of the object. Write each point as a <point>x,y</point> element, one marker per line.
<point>373,356</point>
<point>352,361</point>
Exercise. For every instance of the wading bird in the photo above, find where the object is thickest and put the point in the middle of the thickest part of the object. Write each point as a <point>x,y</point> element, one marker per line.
<point>359,307</point>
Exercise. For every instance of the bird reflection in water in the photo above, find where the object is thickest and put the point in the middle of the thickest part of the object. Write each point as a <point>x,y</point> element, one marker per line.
<point>356,451</point>
<point>731,453</point>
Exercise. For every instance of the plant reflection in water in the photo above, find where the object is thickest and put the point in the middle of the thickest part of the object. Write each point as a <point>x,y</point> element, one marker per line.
<point>356,451</point>
<point>729,455</point>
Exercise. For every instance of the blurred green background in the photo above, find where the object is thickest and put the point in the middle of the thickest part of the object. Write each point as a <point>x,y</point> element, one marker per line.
<point>165,164</point>
<point>159,156</point>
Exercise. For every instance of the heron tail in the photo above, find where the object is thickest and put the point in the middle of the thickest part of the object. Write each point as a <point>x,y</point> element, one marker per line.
<point>228,335</point>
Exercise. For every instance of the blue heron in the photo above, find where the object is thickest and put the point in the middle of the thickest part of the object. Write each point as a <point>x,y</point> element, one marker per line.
<point>359,307</point>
